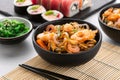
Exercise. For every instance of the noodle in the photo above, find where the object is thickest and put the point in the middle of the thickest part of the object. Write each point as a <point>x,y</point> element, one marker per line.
<point>70,37</point>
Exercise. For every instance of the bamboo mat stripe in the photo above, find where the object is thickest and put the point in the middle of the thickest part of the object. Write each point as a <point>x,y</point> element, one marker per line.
<point>3,78</point>
<point>104,66</point>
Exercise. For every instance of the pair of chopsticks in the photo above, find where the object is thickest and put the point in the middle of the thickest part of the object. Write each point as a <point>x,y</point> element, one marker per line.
<point>47,74</point>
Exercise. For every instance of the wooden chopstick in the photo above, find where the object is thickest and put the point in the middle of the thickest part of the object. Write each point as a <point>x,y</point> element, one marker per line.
<point>48,74</point>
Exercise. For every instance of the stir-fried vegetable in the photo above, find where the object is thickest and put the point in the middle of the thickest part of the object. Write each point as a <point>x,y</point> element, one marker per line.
<point>12,28</point>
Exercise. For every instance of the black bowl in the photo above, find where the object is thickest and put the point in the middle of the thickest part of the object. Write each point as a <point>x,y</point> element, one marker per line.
<point>112,33</point>
<point>66,59</point>
<point>15,40</point>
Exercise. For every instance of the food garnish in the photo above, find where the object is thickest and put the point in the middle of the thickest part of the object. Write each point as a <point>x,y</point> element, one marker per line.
<point>20,1</point>
<point>34,7</point>
<point>49,12</point>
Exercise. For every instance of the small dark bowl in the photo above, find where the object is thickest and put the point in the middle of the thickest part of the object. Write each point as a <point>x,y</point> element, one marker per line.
<point>66,59</point>
<point>15,40</point>
<point>112,33</point>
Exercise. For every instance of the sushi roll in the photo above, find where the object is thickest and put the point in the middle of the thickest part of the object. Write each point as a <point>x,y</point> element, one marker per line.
<point>55,4</point>
<point>20,6</point>
<point>69,7</point>
<point>52,15</point>
<point>35,12</point>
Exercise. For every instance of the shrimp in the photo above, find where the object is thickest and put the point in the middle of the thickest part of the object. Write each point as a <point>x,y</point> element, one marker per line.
<point>113,17</point>
<point>68,28</point>
<point>48,36</point>
<point>44,36</point>
<point>51,28</point>
<point>108,12</point>
<point>73,48</point>
<point>50,39</point>
<point>89,34</point>
<point>84,35</point>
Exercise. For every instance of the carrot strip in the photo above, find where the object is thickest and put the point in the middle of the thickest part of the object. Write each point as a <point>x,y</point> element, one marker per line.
<point>41,44</point>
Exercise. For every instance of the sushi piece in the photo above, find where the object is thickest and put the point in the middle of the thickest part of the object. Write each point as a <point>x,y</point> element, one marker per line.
<point>69,7</point>
<point>45,3</point>
<point>85,4</point>
<point>55,4</point>
<point>35,12</point>
<point>20,6</point>
<point>52,15</point>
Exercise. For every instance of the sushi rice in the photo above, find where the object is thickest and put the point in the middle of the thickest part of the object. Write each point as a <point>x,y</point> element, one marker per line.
<point>52,15</point>
<point>35,9</point>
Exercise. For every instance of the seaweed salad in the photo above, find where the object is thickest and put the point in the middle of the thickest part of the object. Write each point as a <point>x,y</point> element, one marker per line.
<point>12,28</point>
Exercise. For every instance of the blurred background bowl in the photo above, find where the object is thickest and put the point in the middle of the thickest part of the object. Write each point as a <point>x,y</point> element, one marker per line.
<point>18,39</point>
<point>111,32</point>
<point>66,59</point>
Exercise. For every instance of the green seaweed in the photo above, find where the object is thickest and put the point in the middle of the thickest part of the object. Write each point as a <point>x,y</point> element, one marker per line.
<point>12,28</point>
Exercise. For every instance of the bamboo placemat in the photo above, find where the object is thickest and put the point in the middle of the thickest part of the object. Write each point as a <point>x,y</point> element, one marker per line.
<point>104,66</point>
<point>1,78</point>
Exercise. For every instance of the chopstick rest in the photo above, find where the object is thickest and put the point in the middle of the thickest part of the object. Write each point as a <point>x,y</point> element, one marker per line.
<point>47,74</point>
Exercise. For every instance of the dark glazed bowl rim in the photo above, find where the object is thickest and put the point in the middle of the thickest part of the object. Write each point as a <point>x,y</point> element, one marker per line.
<point>78,20</point>
<point>30,27</point>
<point>101,12</point>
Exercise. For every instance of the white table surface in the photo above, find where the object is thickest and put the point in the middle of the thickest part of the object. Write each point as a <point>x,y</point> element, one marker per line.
<point>12,55</point>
